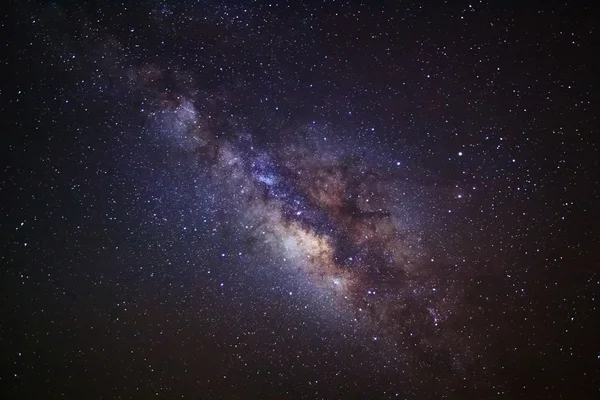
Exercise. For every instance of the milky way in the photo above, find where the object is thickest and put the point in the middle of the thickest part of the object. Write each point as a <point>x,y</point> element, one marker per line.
<point>329,209</point>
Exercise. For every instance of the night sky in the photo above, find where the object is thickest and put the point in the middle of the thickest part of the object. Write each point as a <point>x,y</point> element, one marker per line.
<point>244,200</point>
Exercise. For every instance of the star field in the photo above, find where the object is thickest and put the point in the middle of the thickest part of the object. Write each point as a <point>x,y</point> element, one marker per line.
<point>327,200</point>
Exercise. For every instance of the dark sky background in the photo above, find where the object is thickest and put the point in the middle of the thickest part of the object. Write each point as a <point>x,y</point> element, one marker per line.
<point>239,200</point>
